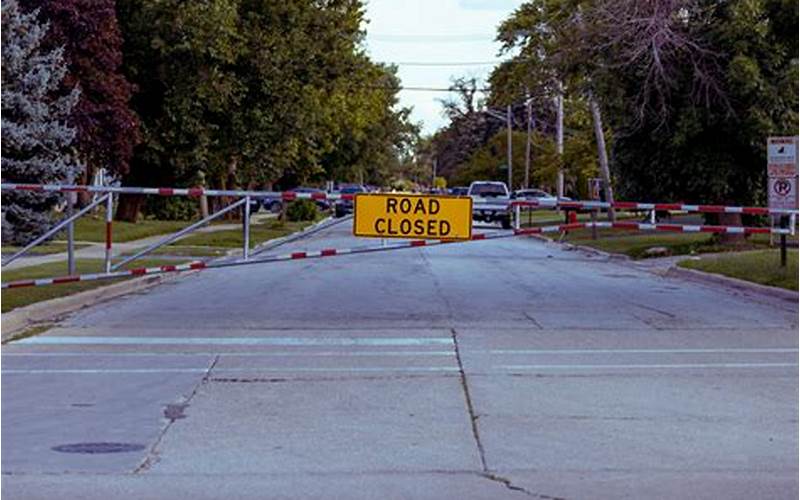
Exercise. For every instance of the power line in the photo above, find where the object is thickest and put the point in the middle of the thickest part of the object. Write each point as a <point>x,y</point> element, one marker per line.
<point>444,63</point>
<point>431,38</point>
<point>420,89</point>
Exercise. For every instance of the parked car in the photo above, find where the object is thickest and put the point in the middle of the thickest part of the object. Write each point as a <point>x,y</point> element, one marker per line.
<point>343,207</point>
<point>530,194</point>
<point>459,191</point>
<point>273,205</point>
<point>491,202</point>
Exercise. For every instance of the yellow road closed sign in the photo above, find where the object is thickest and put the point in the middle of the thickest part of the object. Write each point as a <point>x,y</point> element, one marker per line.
<point>412,216</point>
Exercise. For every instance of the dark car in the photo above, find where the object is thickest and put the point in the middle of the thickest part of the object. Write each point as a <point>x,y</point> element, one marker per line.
<point>459,191</point>
<point>343,207</point>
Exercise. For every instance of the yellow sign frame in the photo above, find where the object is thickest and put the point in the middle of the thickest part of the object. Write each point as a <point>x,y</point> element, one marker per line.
<point>376,216</point>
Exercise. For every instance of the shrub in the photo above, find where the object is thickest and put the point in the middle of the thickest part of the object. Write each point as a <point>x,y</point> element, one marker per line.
<point>301,210</point>
<point>171,208</point>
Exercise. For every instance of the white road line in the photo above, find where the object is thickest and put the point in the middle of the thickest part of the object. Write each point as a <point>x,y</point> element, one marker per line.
<point>644,367</point>
<point>723,350</point>
<point>244,341</point>
<point>233,354</point>
<point>102,371</point>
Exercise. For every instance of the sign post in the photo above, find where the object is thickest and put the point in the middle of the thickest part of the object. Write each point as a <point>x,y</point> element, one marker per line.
<point>782,181</point>
<point>387,215</point>
<point>596,193</point>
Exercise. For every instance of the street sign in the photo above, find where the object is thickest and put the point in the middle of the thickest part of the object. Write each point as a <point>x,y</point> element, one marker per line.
<point>782,182</point>
<point>413,216</point>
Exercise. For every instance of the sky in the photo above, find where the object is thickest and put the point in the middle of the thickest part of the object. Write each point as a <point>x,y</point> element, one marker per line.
<point>434,31</point>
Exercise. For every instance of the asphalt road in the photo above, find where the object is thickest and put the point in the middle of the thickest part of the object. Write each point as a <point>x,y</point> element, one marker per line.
<point>494,369</point>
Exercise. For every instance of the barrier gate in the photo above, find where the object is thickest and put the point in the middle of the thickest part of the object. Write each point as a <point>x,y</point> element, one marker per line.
<point>111,271</point>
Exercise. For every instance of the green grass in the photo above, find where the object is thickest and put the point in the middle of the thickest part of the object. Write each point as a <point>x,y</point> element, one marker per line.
<point>546,217</point>
<point>179,250</point>
<point>18,297</point>
<point>259,233</point>
<point>761,267</point>
<point>43,249</point>
<point>94,229</point>
<point>635,244</point>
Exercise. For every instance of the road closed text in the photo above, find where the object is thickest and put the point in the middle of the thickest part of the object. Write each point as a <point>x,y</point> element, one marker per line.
<point>412,216</point>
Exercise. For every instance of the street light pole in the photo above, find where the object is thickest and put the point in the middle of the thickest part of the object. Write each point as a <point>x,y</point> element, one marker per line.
<point>508,147</point>
<point>433,179</point>
<point>528,146</point>
<point>560,137</point>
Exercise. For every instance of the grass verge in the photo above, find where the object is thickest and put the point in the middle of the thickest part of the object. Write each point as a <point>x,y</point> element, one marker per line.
<point>259,233</point>
<point>19,297</point>
<point>94,229</point>
<point>761,267</point>
<point>43,249</point>
<point>179,250</point>
<point>635,244</point>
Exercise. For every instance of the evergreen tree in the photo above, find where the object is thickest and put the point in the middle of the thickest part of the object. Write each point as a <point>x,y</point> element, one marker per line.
<point>36,138</point>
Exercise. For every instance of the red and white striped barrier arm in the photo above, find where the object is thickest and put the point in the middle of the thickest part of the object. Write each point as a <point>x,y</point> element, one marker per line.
<point>688,228</point>
<point>327,252</point>
<point>74,188</point>
<point>635,205</point>
<point>291,195</point>
<point>332,252</point>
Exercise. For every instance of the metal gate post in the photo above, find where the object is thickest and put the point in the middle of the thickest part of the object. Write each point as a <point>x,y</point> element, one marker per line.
<point>109,219</point>
<point>784,225</point>
<point>517,217</point>
<point>70,235</point>
<point>246,229</point>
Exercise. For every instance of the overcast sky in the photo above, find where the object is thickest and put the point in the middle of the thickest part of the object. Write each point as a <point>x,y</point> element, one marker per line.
<point>433,31</point>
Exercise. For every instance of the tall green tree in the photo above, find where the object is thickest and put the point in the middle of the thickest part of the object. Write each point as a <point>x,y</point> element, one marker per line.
<point>254,92</point>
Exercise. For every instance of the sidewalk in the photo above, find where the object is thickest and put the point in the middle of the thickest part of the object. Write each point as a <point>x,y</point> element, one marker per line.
<point>97,250</point>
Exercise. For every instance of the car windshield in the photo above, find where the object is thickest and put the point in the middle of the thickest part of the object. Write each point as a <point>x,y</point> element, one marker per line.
<point>488,190</point>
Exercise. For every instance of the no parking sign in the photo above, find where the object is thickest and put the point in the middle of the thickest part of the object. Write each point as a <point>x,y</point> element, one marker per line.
<point>782,172</point>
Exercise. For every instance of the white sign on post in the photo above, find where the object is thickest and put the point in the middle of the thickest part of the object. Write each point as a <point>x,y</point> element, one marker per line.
<point>782,172</point>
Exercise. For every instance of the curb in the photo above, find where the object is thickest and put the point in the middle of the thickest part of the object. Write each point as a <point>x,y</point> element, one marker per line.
<point>728,282</point>
<point>50,310</point>
<point>308,231</point>
<point>573,247</point>
<point>691,274</point>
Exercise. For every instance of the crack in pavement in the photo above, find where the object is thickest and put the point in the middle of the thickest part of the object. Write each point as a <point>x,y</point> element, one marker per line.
<point>473,416</point>
<point>152,454</point>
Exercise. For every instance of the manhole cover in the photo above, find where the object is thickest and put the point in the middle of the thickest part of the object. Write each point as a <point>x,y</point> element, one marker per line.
<point>91,448</point>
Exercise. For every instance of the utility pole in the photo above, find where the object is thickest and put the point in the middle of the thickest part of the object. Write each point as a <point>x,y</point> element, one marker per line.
<point>602,156</point>
<point>433,178</point>
<point>508,125</point>
<point>560,137</point>
<point>528,145</point>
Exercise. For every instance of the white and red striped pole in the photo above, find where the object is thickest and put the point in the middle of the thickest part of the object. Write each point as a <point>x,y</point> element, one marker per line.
<point>109,221</point>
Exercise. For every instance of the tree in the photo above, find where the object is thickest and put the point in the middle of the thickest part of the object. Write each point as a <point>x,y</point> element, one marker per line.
<point>36,139</point>
<point>713,150</point>
<point>254,93</point>
<point>107,129</point>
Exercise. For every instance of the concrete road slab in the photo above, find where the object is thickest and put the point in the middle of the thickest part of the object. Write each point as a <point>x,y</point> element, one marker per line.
<point>45,410</point>
<point>432,485</point>
<point>389,424</point>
